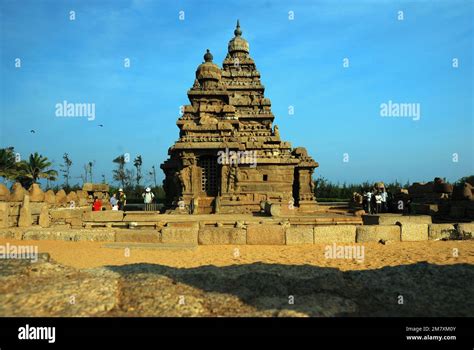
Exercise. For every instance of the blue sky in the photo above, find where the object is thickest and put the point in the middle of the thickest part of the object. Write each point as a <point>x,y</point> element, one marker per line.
<point>337,109</point>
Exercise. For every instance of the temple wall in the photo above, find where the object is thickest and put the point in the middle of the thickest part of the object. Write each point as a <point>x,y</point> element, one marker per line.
<point>268,179</point>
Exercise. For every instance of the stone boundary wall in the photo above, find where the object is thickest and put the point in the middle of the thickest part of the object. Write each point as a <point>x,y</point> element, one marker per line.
<point>24,208</point>
<point>252,234</point>
<point>33,217</point>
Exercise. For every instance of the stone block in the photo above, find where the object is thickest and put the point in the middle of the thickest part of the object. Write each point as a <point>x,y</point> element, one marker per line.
<point>11,234</point>
<point>299,235</point>
<point>424,209</point>
<point>44,218</point>
<point>95,235</point>
<point>221,235</point>
<point>414,232</point>
<point>139,236</point>
<point>393,219</point>
<point>36,208</point>
<point>103,216</point>
<point>441,231</point>
<point>25,219</point>
<point>144,216</point>
<point>415,219</point>
<point>90,187</point>
<point>266,234</point>
<point>334,233</point>
<point>14,208</point>
<point>190,224</point>
<point>466,231</point>
<point>180,235</point>
<point>65,213</point>
<point>4,211</point>
<point>374,233</point>
<point>75,222</point>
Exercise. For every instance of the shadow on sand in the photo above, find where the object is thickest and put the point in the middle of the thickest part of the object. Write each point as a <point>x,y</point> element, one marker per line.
<point>260,289</point>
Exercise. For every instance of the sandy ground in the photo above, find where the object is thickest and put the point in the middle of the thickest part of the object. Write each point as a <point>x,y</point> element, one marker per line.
<point>434,278</point>
<point>96,254</point>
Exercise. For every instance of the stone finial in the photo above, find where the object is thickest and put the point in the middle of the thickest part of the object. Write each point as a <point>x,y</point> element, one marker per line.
<point>72,196</point>
<point>238,43</point>
<point>50,197</point>
<point>61,197</point>
<point>238,31</point>
<point>36,194</point>
<point>208,56</point>
<point>18,192</point>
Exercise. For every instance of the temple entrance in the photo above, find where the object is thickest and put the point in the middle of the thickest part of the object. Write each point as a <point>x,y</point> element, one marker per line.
<point>296,187</point>
<point>209,175</point>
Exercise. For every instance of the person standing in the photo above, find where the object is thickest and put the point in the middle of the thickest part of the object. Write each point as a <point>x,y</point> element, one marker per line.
<point>122,199</point>
<point>97,205</point>
<point>389,202</point>
<point>148,198</point>
<point>369,201</point>
<point>378,203</point>
<point>384,195</point>
<point>114,202</point>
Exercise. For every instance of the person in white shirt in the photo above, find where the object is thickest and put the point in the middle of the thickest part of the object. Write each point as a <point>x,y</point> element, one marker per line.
<point>148,197</point>
<point>378,203</point>
<point>368,195</point>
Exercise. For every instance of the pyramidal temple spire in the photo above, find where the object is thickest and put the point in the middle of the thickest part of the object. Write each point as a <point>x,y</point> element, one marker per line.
<point>229,157</point>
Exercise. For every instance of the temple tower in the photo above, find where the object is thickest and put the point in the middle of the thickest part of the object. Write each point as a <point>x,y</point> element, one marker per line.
<point>229,157</point>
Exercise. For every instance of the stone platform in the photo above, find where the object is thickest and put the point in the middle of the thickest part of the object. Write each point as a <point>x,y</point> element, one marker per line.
<point>259,231</point>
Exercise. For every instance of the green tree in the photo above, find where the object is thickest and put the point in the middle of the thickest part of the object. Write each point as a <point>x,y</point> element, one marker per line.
<point>8,164</point>
<point>36,167</point>
<point>65,169</point>
<point>137,163</point>
<point>468,179</point>
<point>120,174</point>
<point>89,167</point>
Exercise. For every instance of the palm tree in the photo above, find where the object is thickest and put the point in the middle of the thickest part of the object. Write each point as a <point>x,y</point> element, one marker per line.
<point>8,165</point>
<point>36,168</point>
<point>137,163</point>
<point>120,174</point>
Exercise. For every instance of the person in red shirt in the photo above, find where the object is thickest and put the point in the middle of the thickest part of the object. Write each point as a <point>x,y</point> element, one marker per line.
<point>97,204</point>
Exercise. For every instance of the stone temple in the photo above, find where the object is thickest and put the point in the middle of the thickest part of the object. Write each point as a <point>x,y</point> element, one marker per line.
<point>229,157</point>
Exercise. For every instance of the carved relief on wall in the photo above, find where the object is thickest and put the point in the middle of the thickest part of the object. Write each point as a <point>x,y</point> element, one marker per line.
<point>230,175</point>
<point>185,175</point>
<point>207,119</point>
<point>224,176</point>
<point>232,179</point>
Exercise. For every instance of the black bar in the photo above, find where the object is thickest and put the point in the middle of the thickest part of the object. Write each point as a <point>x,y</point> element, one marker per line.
<point>392,331</point>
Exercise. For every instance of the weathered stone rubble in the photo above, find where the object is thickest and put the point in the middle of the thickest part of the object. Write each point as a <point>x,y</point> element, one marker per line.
<point>46,288</point>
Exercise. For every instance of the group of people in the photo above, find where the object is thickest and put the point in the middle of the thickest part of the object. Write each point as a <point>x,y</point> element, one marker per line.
<point>118,201</point>
<point>376,201</point>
